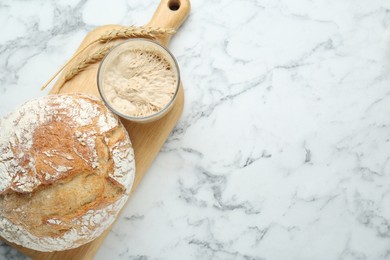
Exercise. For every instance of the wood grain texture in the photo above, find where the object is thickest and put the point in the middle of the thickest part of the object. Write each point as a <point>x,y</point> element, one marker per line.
<point>147,139</point>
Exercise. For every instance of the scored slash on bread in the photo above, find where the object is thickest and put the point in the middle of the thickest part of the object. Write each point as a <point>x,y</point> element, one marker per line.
<point>66,169</point>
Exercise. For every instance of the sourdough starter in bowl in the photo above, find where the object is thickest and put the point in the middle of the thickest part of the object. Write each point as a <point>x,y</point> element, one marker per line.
<point>139,80</point>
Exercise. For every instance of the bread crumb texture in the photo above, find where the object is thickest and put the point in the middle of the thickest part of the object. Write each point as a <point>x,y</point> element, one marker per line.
<point>66,170</point>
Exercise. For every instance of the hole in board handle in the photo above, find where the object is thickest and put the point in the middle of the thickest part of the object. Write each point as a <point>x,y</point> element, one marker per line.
<point>174,5</point>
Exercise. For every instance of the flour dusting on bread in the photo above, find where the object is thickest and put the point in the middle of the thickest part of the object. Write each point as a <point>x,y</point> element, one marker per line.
<point>66,169</point>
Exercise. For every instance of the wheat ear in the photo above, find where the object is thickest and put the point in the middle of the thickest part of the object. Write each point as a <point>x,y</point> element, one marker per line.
<point>82,65</point>
<point>134,32</point>
<point>123,33</point>
<point>97,56</point>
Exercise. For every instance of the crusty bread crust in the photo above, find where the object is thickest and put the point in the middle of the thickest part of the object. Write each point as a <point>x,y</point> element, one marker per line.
<point>66,169</point>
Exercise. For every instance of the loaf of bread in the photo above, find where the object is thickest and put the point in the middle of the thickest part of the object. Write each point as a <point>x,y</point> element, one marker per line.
<point>66,170</point>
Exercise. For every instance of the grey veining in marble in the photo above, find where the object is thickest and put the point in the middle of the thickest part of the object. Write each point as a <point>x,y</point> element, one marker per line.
<point>283,149</point>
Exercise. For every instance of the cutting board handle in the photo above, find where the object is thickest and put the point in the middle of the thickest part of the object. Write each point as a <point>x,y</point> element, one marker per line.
<point>170,14</point>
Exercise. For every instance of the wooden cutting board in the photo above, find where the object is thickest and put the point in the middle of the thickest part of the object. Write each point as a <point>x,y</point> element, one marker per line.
<point>148,138</point>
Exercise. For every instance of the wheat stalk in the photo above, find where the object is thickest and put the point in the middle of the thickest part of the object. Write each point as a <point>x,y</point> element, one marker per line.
<point>82,65</point>
<point>134,32</point>
<point>91,59</point>
<point>122,33</point>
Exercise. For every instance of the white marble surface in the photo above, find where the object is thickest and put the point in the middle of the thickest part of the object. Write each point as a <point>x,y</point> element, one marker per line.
<point>283,149</point>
